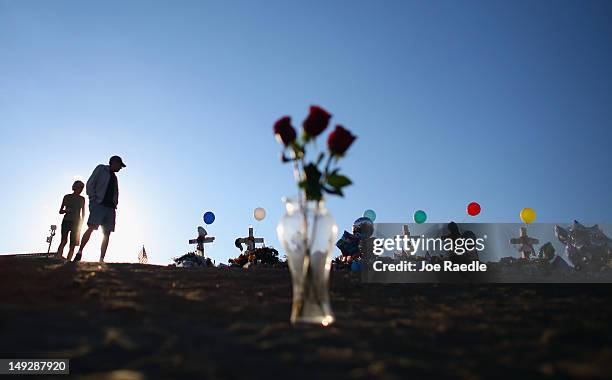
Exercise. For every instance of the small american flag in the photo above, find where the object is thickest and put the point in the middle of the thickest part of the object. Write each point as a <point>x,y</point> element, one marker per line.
<point>142,256</point>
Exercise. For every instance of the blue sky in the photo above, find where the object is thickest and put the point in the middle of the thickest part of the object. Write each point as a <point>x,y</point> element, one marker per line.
<point>504,103</point>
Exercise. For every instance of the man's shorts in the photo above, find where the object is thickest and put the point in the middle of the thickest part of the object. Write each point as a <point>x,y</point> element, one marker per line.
<point>72,227</point>
<point>100,215</point>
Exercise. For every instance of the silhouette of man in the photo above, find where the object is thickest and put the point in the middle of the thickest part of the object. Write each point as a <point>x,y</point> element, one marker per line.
<point>103,191</point>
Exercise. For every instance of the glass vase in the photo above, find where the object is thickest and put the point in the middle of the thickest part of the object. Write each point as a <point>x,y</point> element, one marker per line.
<point>307,232</point>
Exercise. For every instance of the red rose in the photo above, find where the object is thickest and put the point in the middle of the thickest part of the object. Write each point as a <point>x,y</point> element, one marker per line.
<point>284,131</point>
<point>340,140</point>
<point>316,122</point>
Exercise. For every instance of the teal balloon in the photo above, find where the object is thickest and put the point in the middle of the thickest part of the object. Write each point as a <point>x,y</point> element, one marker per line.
<point>420,216</point>
<point>370,214</point>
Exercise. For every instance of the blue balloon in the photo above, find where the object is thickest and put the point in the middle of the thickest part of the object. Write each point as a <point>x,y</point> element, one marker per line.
<point>370,214</point>
<point>209,217</point>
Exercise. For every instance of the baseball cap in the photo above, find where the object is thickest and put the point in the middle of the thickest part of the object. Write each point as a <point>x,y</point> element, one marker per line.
<point>117,158</point>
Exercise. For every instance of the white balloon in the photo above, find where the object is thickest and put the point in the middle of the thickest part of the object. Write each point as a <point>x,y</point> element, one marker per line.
<point>259,213</point>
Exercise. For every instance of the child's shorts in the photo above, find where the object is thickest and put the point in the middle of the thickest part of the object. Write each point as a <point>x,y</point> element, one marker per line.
<point>72,227</point>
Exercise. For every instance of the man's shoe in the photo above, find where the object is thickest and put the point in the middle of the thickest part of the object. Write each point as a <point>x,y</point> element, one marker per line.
<point>77,258</point>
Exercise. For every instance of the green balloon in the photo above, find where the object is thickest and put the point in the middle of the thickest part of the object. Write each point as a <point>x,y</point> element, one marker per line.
<point>370,214</point>
<point>420,216</point>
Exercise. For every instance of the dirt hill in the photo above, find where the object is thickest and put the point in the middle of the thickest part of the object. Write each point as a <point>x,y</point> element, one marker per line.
<point>142,321</point>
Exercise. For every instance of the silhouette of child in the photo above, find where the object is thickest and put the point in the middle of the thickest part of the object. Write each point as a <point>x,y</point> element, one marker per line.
<point>73,208</point>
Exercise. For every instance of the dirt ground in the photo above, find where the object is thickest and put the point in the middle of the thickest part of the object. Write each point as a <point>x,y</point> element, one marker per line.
<point>130,321</point>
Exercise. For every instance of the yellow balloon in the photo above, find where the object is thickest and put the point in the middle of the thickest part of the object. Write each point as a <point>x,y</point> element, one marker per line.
<point>528,215</point>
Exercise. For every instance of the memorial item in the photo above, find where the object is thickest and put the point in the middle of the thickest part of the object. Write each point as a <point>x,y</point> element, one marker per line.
<point>202,239</point>
<point>196,258</point>
<point>350,244</point>
<point>307,230</point>
<point>192,259</point>
<point>453,253</point>
<point>546,252</point>
<point>259,214</point>
<point>528,215</point>
<point>410,250</point>
<point>420,217</point>
<point>249,241</point>
<point>525,243</point>
<point>258,256</point>
<point>142,256</point>
<point>52,230</point>
<point>253,254</point>
<point>309,258</point>
<point>587,248</point>
<point>473,208</point>
<point>370,214</point>
<point>209,217</point>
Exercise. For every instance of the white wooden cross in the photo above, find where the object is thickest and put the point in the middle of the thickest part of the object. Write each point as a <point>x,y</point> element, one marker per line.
<point>410,250</point>
<point>249,241</point>
<point>201,240</point>
<point>526,243</point>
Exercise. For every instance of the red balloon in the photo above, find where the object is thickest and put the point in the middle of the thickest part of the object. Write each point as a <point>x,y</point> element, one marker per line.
<point>473,209</point>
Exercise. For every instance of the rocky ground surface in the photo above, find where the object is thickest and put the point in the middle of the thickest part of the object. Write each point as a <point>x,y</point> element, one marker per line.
<point>130,321</point>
